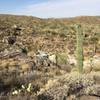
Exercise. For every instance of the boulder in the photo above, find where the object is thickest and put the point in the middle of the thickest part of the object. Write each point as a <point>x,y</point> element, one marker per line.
<point>52,58</point>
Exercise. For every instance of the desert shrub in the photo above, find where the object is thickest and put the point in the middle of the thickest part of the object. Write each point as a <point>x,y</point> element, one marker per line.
<point>62,62</point>
<point>24,50</point>
<point>71,84</point>
<point>13,80</point>
<point>61,59</point>
<point>17,97</point>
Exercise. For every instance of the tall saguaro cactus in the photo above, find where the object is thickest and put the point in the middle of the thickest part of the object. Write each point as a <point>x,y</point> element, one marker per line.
<point>79,48</point>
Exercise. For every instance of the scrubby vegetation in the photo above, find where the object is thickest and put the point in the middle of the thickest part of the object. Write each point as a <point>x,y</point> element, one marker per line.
<point>27,73</point>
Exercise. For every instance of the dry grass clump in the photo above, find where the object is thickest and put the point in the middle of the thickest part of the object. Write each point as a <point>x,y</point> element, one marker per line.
<point>17,97</point>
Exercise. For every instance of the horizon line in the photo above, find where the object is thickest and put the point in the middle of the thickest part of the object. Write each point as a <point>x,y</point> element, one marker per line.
<point>50,17</point>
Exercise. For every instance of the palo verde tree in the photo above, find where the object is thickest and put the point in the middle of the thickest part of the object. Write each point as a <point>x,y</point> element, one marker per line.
<point>79,48</point>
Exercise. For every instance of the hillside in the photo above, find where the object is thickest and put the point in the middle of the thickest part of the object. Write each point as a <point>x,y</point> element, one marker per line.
<point>49,31</point>
<point>38,62</point>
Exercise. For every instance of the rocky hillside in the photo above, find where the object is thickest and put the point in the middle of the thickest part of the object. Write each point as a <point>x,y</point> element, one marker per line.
<point>50,35</point>
<point>23,71</point>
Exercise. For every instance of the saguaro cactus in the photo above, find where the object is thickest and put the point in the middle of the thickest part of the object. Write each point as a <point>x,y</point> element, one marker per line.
<point>79,48</point>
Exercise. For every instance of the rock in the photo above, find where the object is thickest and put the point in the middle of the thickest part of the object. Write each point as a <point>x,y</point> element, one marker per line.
<point>11,40</point>
<point>72,60</point>
<point>31,54</point>
<point>88,97</point>
<point>52,58</point>
<point>66,68</point>
<point>87,68</point>
<point>41,58</point>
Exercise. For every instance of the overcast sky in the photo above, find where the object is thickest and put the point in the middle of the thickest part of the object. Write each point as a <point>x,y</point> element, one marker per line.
<point>51,8</point>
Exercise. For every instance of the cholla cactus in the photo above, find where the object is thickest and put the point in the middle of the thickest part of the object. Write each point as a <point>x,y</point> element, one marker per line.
<point>79,48</point>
